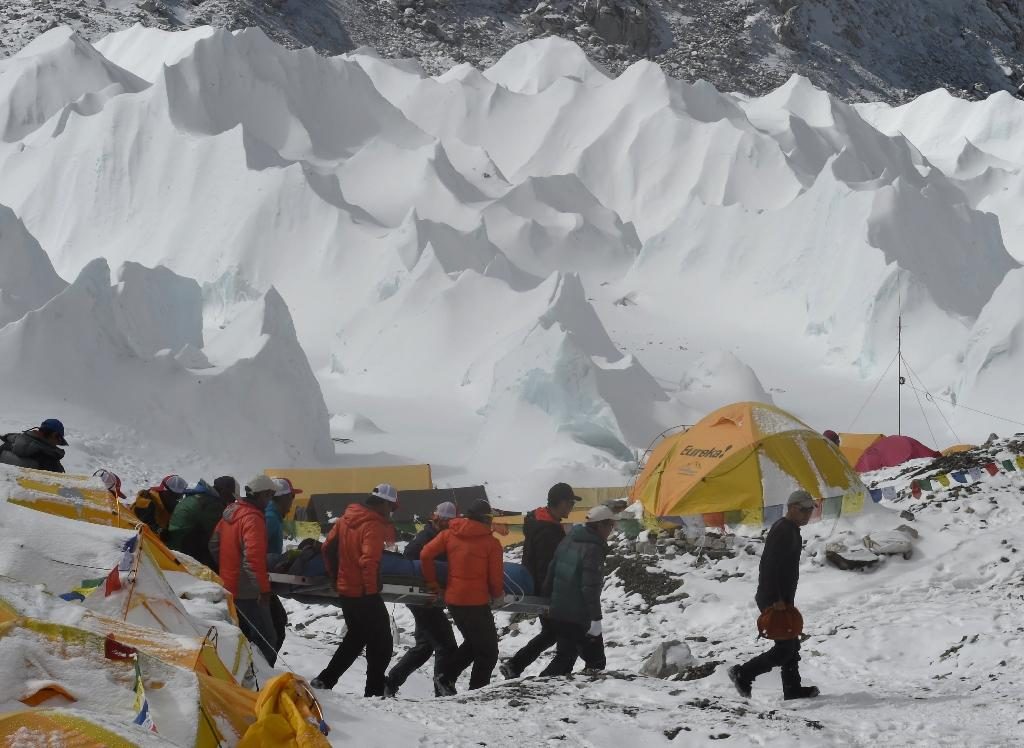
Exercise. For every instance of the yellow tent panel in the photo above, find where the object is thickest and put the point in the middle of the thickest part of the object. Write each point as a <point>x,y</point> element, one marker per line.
<point>56,727</point>
<point>314,481</point>
<point>853,446</point>
<point>741,458</point>
<point>957,448</point>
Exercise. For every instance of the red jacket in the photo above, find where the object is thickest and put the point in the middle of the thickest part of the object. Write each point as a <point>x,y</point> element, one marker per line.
<point>353,549</point>
<point>475,571</point>
<point>240,543</point>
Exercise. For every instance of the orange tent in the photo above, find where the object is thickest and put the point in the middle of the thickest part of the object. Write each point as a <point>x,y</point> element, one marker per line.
<point>853,446</point>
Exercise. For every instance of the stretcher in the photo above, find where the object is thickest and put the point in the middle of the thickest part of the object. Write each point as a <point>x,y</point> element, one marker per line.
<point>394,589</point>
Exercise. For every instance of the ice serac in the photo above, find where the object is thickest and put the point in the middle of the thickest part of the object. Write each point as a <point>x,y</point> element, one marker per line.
<point>719,378</point>
<point>158,309</point>
<point>993,361</point>
<point>531,67</point>
<point>77,349</point>
<point>27,277</point>
<point>52,72</point>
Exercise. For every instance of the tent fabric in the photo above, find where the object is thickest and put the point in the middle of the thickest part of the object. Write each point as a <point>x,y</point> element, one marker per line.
<point>412,504</point>
<point>743,459</point>
<point>288,716</point>
<point>63,728</point>
<point>355,480</point>
<point>890,451</point>
<point>957,448</point>
<point>852,446</point>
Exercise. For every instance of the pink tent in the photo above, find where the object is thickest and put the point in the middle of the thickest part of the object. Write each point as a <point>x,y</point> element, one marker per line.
<point>890,451</point>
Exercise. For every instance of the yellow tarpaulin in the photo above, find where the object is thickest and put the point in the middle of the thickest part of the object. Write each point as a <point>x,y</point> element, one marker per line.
<point>314,481</point>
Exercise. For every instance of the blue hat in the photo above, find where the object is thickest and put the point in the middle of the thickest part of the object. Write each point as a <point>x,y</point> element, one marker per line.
<point>56,427</point>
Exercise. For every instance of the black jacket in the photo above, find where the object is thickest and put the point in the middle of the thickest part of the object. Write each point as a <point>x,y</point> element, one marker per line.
<point>542,537</point>
<point>424,536</point>
<point>780,565</point>
<point>576,577</point>
<point>29,451</point>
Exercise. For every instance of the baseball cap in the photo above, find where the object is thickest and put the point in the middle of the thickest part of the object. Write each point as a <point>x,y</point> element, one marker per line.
<point>801,499</point>
<point>227,483</point>
<point>261,483</point>
<point>480,508</point>
<point>285,487</point>
<point>55,426</point>
<point>111,481</point>
<point>446,510</point>
<point>600,513</point>
<point>387,492</point>
<point>174,484</point>
<point>561,492</point>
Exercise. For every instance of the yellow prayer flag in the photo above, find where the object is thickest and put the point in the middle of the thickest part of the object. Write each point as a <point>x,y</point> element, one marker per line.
<point>943,480</point>
<point>853,502</point>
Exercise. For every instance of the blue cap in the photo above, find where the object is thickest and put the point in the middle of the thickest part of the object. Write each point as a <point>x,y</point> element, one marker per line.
<point>56,427</point>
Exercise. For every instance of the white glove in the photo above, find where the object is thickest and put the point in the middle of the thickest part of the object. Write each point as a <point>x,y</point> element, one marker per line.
<point>595,628</point>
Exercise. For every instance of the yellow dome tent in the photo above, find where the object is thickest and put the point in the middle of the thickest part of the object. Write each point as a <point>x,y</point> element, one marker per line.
<point>957,448</point>
<point>741,463</point>
<point>853,446</point>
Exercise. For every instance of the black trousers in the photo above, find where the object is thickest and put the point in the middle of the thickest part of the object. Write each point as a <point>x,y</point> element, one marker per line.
<point>479,645</point>
<point>255,623</point>
<point>279,617</point>
<point>572,642</point>
<point>785,654</point>
<point>369,628</point>
<point>434,638</point>
<point>528,654</point>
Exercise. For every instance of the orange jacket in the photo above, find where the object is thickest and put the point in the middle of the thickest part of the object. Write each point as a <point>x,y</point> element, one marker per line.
<point>240,543</point>
<point>353,548</point>
<point>475,571</point>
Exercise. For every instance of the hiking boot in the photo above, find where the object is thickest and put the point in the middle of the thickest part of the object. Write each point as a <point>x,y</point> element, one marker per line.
<point>804,692</point>
<point>390,690</point>
<point>507,671</point>
<point>443,687</point>
<point>319,684</point>
<point>743,683</point>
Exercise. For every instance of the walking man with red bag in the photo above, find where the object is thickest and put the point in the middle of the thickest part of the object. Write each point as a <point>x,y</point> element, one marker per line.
<point>778,576</point>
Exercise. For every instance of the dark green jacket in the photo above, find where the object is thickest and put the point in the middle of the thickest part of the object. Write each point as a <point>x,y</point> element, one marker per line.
<point>193,522</point>
<point>576,577</point>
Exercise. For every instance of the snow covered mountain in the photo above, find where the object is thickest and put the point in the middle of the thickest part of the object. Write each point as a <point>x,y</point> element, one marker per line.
<point>514,274</point>
<point>887,50</point>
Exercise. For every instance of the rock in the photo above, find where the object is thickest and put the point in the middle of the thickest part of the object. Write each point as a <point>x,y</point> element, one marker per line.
<point>907,515</point>
<point>620,22</point>
<point>148,5</point>
<point>554,23</point>
<point>668,659</point>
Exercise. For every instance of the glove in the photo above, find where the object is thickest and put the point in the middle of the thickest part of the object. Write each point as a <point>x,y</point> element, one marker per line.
<point>595,629</point>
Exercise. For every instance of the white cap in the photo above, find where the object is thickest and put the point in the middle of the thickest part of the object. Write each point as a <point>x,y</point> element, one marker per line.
<point>387,492</point>
<point>174,484</point>
<point>260,483</point>
<point>446,510</point>
<point>600,513</point>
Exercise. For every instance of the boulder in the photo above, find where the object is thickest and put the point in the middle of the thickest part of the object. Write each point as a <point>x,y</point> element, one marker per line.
<point>670,658</point>
<point>620,22</point>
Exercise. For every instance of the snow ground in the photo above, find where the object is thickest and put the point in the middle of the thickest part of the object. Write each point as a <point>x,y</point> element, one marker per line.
<point>919,652</point>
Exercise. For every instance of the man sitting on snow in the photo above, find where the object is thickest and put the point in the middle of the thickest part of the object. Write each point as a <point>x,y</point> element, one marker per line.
<point>38,448</point>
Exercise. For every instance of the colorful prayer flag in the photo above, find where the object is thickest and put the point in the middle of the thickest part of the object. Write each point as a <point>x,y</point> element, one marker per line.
<point>1020,462</point>
<point>83,590</point>
<point>832,507</point>
<point>926,485</point>
<point>1010,467</point>
<point>915,489</point>
<point>943,480</point>
<point>853,502</point>
<point>975,473</point>
<point>876,495</point>
<point>959,476</point>
<point>992,468</point>
<point>888,492</point>
<point>141,706</point>
<point>714,519</point>
<point>773,514</point>
<point>113,583</point>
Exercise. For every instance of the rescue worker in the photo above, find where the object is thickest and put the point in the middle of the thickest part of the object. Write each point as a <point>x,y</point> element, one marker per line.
<point>575,579</point>
<point>197,514</point>
<point>779,573</point>
<point>475,583</point>
<point>239,542</point>
<point>155,506</point>
<point>277,510</point>
<point>433,633</point>
<point>38,448</point>
<point>352,554</point>
<point>542,532</point>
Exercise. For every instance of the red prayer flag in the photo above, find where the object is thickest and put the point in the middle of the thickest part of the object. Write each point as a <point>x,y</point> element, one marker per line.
<point>992,468</point>
<point>915,489</point>
<point>714,519</point>
<point>113,583</point>
<point>115,650</point>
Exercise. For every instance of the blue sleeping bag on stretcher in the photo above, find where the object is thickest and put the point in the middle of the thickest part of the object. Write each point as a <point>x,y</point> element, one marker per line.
<point>517,579</point>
